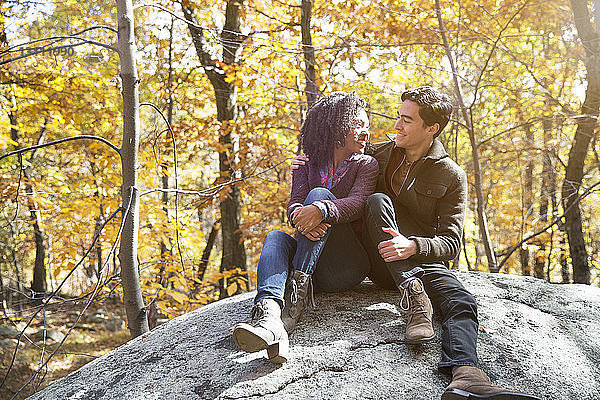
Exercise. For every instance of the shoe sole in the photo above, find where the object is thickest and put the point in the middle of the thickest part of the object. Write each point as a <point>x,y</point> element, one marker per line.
<point>457,394</point>
<point>418,341</point>
<point>248,341</point>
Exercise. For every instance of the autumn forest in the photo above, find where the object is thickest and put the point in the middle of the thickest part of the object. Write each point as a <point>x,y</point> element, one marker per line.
<point>145,147</point>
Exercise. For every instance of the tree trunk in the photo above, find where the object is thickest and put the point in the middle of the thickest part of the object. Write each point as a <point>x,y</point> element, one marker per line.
<point>98,226</point>
<point>481,217</point>
<point>132,295</point>
<point>38,284</point>
<point>308,50</point>
<point>547,195</point>
<point>527,202</point>
<point>210,242</point>
<point>585,131</point>
<point>165,248</point>
<point>233,254</point>
<point>564,265</point>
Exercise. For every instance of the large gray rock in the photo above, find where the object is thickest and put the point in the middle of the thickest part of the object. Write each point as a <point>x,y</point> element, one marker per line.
<point>534,336</point>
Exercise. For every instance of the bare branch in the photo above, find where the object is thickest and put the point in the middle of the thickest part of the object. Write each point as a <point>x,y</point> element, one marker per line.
<point>43,50</point>
<point>53,294</point>
<point>98,138</point>
<point>493,49</point>
<point>176,180</point>
<point>72,36</point>
<point>555,222</point>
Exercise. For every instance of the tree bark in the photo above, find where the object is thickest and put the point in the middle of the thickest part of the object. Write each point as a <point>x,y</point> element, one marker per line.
<point>547,194</point>
<point>38,284</point>
<point>311,89</point>
<point>233,253</point>
<point>527,202</point>
<point>165,248</point>
<point>481,217</point>
<point>586,126</point>
<point>132,295</point>
<point>210,242</point>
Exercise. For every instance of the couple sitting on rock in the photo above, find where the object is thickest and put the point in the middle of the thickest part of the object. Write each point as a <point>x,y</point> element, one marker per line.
<point>412,199</point>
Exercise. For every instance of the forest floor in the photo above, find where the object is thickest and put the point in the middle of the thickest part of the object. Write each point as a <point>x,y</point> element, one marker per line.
<point>92,337</point>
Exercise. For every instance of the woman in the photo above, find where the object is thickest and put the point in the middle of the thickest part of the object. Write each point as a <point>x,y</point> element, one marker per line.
<point>328,193</point>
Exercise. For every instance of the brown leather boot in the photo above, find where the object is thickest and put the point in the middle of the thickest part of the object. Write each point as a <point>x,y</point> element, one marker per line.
<point>265,331</point>
<point>298,295</point>
<point>470,383</point>
<point>414,300</point>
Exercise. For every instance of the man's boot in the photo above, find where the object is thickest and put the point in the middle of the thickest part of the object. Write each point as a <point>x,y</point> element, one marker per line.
<point>298,295</point>
<point>470,383</point>
<point>265,331</point>
<point>419,327</point>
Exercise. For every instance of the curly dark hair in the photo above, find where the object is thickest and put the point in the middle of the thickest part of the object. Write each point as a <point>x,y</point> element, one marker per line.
<point>434,107</point>
<point>327,124</point>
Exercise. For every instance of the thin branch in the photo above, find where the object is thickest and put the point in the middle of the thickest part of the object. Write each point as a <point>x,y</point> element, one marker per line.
<point>72,36</point>
<point>97,287</point>
<point>492,50</point>
<point>53,294</point>
<point>44,50</point>
<point>176,180</point>
<point>215,189</point>
<point>98,138</point>
<point>555,222</point>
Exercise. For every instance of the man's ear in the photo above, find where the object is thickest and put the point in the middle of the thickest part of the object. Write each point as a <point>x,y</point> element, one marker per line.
<point>433,129</point>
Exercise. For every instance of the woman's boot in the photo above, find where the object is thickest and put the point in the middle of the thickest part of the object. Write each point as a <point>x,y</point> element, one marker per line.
<point>298,295</point>
<point>265,331</point>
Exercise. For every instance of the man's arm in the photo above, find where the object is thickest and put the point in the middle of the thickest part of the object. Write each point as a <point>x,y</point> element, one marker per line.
<point>445,245</point>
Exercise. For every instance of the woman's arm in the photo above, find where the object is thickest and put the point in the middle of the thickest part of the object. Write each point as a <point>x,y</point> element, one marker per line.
<point>300,189</point>
<point>350,208</point>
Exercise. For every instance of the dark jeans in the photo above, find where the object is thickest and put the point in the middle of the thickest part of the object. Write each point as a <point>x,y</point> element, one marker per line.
<point>456,306</point>
<point>337,261</point>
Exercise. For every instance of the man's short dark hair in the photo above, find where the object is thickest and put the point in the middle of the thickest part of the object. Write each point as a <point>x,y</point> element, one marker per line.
<point>434,107</point>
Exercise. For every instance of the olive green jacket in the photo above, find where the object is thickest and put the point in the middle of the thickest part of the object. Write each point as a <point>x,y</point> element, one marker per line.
<point>430,207</point>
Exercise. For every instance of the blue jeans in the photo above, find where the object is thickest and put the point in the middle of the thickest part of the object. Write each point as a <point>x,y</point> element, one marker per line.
<point>337,261</point>
<point>456,306</point>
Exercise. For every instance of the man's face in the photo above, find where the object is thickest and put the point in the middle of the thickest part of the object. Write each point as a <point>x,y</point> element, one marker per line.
<point>411,131</point>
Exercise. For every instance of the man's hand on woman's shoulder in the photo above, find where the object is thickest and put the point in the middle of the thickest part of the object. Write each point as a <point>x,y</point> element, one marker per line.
<point>297,162</point>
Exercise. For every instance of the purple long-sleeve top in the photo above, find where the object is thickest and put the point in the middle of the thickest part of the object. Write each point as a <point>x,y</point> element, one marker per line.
<point>351,191</point>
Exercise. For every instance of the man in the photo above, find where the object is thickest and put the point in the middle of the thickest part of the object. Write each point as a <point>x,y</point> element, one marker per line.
<point>413,227</point>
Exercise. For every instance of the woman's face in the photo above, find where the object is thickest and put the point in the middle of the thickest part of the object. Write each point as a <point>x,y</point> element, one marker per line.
<point>358,137</point>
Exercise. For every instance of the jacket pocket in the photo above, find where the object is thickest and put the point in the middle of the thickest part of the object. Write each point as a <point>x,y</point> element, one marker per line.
<point>428,189</point>
<point>428,194</point>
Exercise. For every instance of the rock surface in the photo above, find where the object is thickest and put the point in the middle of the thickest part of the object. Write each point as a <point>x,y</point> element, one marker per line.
<point>534,336</point>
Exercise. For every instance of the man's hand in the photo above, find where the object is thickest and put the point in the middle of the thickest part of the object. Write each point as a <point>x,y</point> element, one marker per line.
<point>318,232</point>
<point>307,218</point>
<point>397,248</point>
<point>297,161</point>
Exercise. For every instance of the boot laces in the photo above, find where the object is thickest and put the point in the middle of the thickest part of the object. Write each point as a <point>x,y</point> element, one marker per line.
<point>410,300</point>
<point>294,310</point>
<point>257,312</point>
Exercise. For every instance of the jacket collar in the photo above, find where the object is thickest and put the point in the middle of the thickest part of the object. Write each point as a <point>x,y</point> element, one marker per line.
<point>435,152</point>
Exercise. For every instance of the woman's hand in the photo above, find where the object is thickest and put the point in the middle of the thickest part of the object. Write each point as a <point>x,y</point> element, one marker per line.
<point>307,218</point>
<point>318,232</point>
<point>297,162</point>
